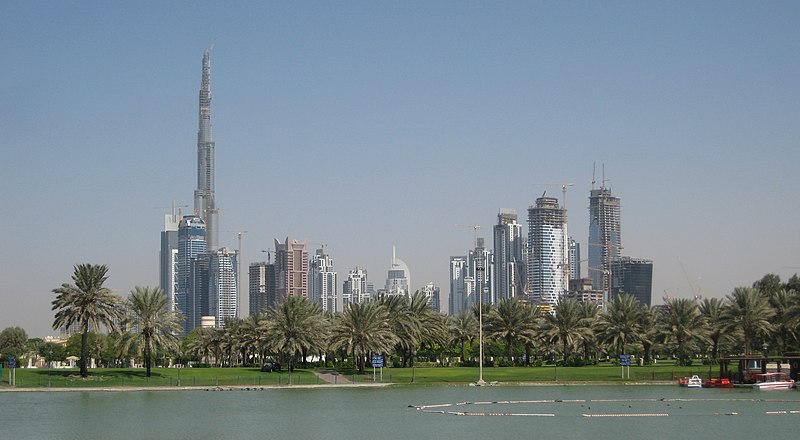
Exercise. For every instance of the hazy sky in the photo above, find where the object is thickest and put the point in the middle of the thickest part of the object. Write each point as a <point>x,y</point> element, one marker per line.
<point>370,124</point>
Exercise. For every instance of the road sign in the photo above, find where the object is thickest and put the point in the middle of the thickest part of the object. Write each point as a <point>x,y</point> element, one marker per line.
<point>12,362</point>
<point>377,361</point>
<point>625,360</point>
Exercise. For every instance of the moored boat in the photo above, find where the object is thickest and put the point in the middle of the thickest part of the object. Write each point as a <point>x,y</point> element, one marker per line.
<point>718,382</point>
<point>691,382</point>
<point>773,381</point>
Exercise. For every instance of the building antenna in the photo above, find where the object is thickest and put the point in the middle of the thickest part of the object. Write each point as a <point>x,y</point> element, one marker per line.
<point>594,165</point>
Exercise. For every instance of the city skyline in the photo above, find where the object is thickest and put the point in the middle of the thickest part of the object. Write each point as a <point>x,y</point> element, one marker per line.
<point>365,126</point>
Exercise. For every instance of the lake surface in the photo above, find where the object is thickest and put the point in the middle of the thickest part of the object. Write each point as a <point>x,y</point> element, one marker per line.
<point>574,412</point>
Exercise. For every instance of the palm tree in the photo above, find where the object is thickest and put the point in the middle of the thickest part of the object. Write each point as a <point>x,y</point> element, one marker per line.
<point>714,323</point>
<point>682,325</point>
<point>650,333</point>
<point>87,303</point>
<point>463,328</point>
<point>621,324</point>
<point>749,313</point>
<point>363,329</point>
<point>405,323</point>
<point>511,320</point>
<point>566,326</point>
<point>151,324</point>
<point>591,315</point>
<point>294,327</point>
<point>786,321</point>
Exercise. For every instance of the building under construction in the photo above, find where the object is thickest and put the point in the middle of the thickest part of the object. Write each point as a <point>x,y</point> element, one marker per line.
<point>605,238</point>
<point>547,247</point>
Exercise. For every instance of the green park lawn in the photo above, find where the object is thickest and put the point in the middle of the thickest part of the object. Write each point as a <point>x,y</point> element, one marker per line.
<point>168,377</point>
<point>160,377</point>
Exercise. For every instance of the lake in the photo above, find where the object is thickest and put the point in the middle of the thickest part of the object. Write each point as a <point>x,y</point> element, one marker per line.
<point>574,412</point>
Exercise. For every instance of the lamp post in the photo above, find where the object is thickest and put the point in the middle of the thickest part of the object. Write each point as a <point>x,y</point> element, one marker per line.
<point>480,330</point>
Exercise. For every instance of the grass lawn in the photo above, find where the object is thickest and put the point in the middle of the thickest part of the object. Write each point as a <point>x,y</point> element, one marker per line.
<point>135,377</point>
<point>599,373</point>
<point>166,377</point>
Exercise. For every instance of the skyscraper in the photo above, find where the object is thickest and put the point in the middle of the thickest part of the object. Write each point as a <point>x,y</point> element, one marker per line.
<point>322,281</point>
<point>508,256</point>
<point>168,260</point>
<point>481,269</point>
<point>291,269</point>
<point>356,288</point>
<point>632,276</point>
<point>262,287</point>
<point>191,245</point>
<point>461,285</point>
<point>204,205</point>
<point>547,244</point>
<point>398,279</point>
<point>605,239</point>
<point>574,257</point>
<point>222,285</point>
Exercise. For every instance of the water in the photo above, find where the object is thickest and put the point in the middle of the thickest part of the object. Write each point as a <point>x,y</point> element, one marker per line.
<point>353,414</point>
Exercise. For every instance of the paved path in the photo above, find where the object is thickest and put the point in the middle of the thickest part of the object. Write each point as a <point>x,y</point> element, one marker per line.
<point>333,377</point>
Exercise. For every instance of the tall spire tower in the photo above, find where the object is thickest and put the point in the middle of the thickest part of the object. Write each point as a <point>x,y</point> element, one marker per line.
<point>204,205</point>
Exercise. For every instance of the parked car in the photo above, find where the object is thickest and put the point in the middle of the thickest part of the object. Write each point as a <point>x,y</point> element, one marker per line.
<point>269,367</point>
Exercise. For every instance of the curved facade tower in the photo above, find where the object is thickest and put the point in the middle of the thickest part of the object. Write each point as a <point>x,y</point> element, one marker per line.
<point>204,205</point>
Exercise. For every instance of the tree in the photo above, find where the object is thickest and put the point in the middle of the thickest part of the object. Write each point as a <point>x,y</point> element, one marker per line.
<point>87,303</point>
<point>463,328</point>
<point>52,352</point>
<point>13,342</point>
<point>714,323</point>
<point>650,333</point>
<point>566,326</point>
<point>749,313</point>
<point>621,324</point>
<point>785,322</point>
<point>297,325</point>
<point>511,320</point>
<point>363,329</point>
<point>151,324</point>
<point>682,325</point>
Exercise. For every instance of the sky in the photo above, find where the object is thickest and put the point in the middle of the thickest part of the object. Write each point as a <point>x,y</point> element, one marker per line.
<point>367,125</point>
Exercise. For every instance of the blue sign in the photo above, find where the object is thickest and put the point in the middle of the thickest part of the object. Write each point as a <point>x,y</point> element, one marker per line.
<point>625,360</point>
<point>12,362</point>
<point>377,362</point>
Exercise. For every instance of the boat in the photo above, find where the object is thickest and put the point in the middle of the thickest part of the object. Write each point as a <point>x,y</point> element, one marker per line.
<point>691,382</point>
<point>717,382</point>
<point>772,381</point>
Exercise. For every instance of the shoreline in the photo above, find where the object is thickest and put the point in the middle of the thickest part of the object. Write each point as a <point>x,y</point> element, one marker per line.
<point>7,389</point>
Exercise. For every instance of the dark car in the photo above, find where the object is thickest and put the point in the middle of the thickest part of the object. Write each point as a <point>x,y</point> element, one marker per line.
<point>270,367</point>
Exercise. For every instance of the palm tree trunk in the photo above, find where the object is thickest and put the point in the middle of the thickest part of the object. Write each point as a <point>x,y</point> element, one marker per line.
<point>84,353</point>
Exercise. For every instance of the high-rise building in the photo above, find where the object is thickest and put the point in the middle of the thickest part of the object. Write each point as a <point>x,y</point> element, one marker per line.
<point>262,287</point>
<point>356,288</point>
<point>291,269</point>
<point>574,259</point>
<point>460,290</point>
<point>481,268</point>
<point>547,244</point>
<point>168,260</point>
<point>508,256</point>
<point>204,205</point>
<point>605,239</point>
<point>431,293</point>
<point>322,280</point>
<point>191,245</point>
<point>398,280</point>
<point>222,285</point>
<point>632,276</point>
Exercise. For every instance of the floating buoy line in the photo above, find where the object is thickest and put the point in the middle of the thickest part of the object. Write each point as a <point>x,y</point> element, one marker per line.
<point>441,408</point>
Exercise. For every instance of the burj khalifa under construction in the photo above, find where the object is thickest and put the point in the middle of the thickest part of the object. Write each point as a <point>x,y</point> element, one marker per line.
<point>204,205</point>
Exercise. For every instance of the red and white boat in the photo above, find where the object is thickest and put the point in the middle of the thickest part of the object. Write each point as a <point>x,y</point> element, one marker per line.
<point>717,382</point>
<point>691,382</point>
<point>773,381</point>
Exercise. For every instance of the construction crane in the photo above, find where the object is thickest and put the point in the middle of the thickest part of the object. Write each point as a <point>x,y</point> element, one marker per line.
<point>172,207</point>
<point>474,229</point>
<point>695,293</point>
<point>563,190</point>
